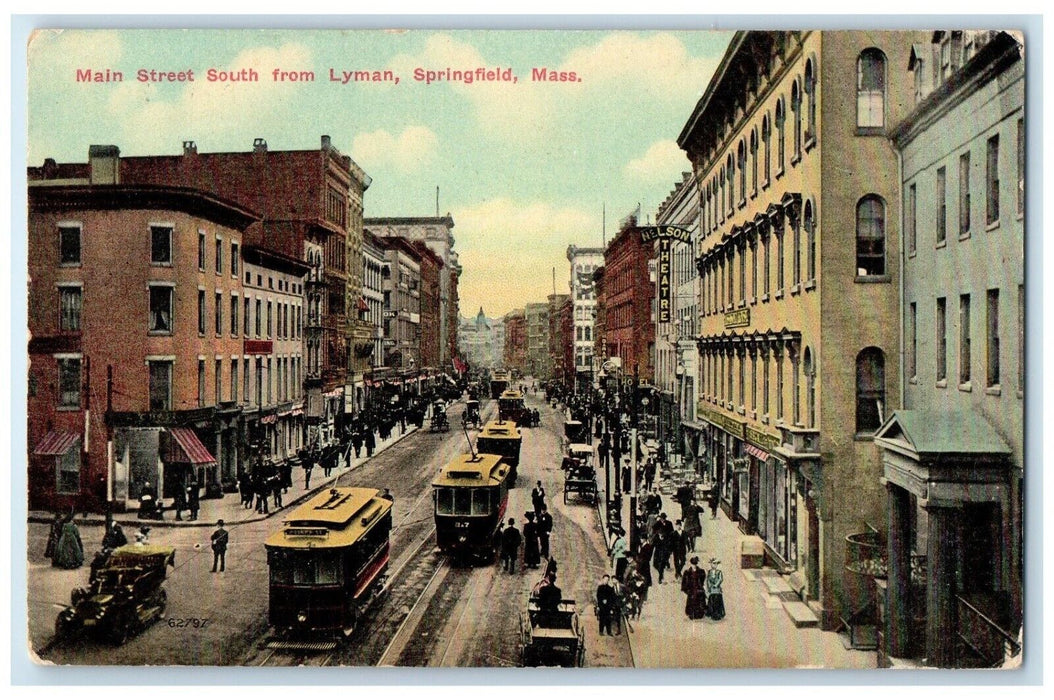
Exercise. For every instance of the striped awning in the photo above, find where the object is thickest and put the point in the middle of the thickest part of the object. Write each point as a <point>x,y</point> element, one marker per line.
<point>756,451</point>
<point>195,452</point>
<point>57,442</point>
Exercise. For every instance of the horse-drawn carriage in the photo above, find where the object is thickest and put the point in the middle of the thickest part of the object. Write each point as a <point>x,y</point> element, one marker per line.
<point>552,637</point>
<point>472,416</point>
<point>579,473</point>
<point>124,595</point>
<point>439,419</point>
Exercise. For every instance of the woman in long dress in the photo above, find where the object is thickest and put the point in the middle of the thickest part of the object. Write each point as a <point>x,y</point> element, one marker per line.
<point>69,550</point>
<point>532,555</point>
<point>715,600</point>
<point>693,584</point>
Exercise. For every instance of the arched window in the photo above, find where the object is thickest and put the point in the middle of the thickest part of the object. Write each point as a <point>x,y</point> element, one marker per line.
<point>871,89</point>
<point>810,388</point>
<point>742,158</point>
<point>796,118</point>
<point>766,140</point>
<point>871,236</point>
<point>716,204</point>
<point>809,224</point>
<point>870,390</point>
<point>753,162</point>
<point>781,136</point>
<point>810,96</point>
<point>721,199</point>
<point>730,173</point>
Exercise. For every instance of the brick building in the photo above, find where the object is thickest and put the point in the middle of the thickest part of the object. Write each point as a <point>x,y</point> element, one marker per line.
<point>515,355</point>
<point>431,269</point>
<point>135,346</point>
<point>629,331</point>
<point>537,319</point>
<point>561,340</point>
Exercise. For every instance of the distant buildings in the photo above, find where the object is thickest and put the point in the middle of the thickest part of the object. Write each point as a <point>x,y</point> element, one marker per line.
<point>482,341</point>
<point>583,263</point>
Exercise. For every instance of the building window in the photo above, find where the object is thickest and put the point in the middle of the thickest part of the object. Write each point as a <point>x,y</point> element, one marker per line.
<point>964,338</point>
<point>219,382</point>
<point>68,471</point>
<point>742,276</point>
<point>992,180</point>
<point>160,309</point>
<point>1020,166</point>
<point>270,382</point>
<point>729,389</point>
<point>69,382</point>
<point>201,312</point>
<point>234,316</point>
<point>201,382</point>
<point>993,338</point>
<point>964,194</point>
<point>70,309</point>
<point>810,96</point>
<point>796,262</point>
<point>245,317</point>
<point>753,162</point>
<point>779,387</point>
<point>766,390</point>
<point>160,385</point>
<point>754,272</point>
<point>870,390</point>
<point>766,243</point>
<point>912,366</point>
<point>810,388</point>
<point>741,361</point>
<point>234,259</point>
<point>942,205</point>
<point>69,245</point>
<point>796,117</point>
<point>730,173</point>
<point>795,391</point>
<point>219,313</point>
<point>259,381</point>
<point>779,263</point>
<point>245,381</point>
<point>742,163</point>
<point>234,379</point>
<point>870,89</point>
<point>870,236</point>
<point>781,135</point>
<point>909,218</point>
<point>809,224</point>
<point>766,142</point>
<point>259,318</point>
<point>201,250</point>
<point>161,245</point>
<point>942,339</point>
<point>219,256</point>
<point>753,381</point>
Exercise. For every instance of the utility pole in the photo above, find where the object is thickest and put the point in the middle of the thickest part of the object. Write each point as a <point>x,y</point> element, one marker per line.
<point>634,535</point>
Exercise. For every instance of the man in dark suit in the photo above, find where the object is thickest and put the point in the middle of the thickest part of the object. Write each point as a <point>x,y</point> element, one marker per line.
<point>606,605</point>
<point>220,539</point>
<point>510,546</point>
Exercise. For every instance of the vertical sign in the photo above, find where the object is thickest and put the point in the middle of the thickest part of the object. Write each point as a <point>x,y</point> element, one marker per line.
<point>665,288</point>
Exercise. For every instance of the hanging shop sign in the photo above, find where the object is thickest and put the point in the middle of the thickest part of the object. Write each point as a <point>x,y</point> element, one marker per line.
<point>763,440</point>
<point>668,232</point>
<point>737,318</point>
<point>726,423</point>
<point>665,287</point>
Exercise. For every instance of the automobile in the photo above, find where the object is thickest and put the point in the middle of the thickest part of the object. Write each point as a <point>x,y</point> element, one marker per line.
<point>124,595</point>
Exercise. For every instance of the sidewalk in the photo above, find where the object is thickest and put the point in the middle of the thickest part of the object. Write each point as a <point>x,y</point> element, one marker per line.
<point>756,632</point>
<point>230,508</point>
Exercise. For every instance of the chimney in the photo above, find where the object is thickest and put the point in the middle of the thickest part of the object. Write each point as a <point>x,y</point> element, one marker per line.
<point>51,169</point>
<point>190,148</point>
<point>259,146</point>
<point>326,144</point>
<point>103,164</point>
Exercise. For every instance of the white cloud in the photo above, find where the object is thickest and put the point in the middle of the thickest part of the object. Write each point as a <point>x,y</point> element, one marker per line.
<point>212,110</point>
<point>49,51</point>
<point>414,148</point>
<point>663,161</point>
<point>509,249</point>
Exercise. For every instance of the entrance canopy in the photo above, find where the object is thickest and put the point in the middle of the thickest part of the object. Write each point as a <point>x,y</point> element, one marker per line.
<point>192,449</point>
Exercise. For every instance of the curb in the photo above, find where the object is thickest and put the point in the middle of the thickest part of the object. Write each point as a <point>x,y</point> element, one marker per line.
<point>124,520</point>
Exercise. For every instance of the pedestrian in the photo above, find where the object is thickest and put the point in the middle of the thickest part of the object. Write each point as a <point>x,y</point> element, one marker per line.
<point>692,527</point>
<point>53,535</point>
<point>545,528</point>
<point>275,483</point>
<point>369,441</point>
<point>356,441</point>
<point>605,604</point>
<point>550,569</point>
<point>619,553</point>
<point>649,473</point>
<point>636,594</point>
<point>329,458</point>
<point>245,487</point>
<point>603,454</point>
<point>660,554</point>
<point>715,600</point>
<point>387,495</point>
<point>114,538</point>
<point>693,585</point>
<point>678,548</point>
<point>179,503</point>
<point>712,501</point>
<point>263,491</point>
<point>220,539</point>
<point>69,549</point>
<point>193,499</point>
<point>653,502</point>
<point>308,464</point>
<point>286,475</point>
<point>627,473</point>
<point>538,497</point>
<point>531,545</point>
<point>643,563</point>
<point>510,547</point>
<point>620,604</point>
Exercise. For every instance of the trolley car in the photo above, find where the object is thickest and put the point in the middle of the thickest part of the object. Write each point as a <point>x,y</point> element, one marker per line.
<point>511,407</point>
<point>499,382</point>
<point>471,494</point>
<point>329,562</point>
<point>502,438</point>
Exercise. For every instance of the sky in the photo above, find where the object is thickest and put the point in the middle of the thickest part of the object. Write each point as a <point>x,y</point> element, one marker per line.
<point>524,168</point>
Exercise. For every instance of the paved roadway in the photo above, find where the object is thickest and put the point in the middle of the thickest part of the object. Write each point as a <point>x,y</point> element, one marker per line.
<point>434,614</point>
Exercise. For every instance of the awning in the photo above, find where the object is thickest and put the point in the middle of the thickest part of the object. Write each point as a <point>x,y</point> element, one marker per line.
<point>195,452</point>
<point>57,442</point>
<point>269,419</point>
<point>757,452</point>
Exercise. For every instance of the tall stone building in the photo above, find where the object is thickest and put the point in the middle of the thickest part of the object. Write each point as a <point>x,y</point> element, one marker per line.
<point>515,354</point>
<point>583,263</point>
<point>798,252</point>
<point>954,454</point>
<point>537,319</point>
